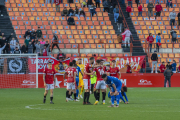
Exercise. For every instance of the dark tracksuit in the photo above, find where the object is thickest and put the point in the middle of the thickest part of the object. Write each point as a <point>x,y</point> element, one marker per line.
<point>167,74</point>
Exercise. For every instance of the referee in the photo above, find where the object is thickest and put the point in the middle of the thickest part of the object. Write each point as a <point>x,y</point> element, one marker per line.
<point>167,74</point>
<point>93,81</point>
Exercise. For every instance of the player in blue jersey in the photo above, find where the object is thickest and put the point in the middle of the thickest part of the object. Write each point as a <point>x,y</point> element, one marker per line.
<point>78,70</point>
<point>114,85</point>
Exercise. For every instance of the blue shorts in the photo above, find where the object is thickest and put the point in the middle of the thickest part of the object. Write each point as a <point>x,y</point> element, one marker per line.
<point>118,88</point>
<point>77,81</point>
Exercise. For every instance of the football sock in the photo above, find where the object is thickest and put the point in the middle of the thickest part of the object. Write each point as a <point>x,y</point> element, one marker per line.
<point>77,92</point>
<point>104,95</point>
<point>67,94</point>
<point>82,89</point>
<point>95,95</point>
<point>88,94</point>
<point>74,96</point>
<point>44,97</point>
<point>112,100</point>
<point>84,96</point>
<point>51,98</point>
<point>117,99</point>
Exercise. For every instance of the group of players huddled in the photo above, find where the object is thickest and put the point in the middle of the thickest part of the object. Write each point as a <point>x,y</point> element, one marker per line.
<point>106,76</point>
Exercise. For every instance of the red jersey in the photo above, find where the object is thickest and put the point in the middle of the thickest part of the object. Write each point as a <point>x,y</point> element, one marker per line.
<point>162,68</point>
<point>87,69</point>
<point>99,72</point>
<point>114,72</point>
<point>128,69</point>
<point>70,71</point>
<point>44,52</point>
<point>49,75</point>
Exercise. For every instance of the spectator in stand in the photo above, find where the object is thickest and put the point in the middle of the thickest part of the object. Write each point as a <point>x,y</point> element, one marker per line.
<point>24,48</point>
<point>123,36</point>
<point>6,40</point>
<point>127,34</point>
<point>30,47</point>
<point>119,22</point>
<point>158,9</point>
<point>169,65</point>
<point>76,12</point>
<point>61,55</point>
<point>97,3</point>
<point>129,69</point>
<point>33,43</point>
<point>150,39</point>
<point>106,6</point>
<point>154,59</point>
<point>71,12</point>
<point>158,41</point>
<point>157,1</point>
<point>147,1</point>
<point>2,48</point>
<point>137,2</point>
<point>116,13</point>
<point>89,3</point>
<point>162,67</point>
<point>55,41</point>
<point>174,35</point>
<point>170,3</point>
<point>82,13</point>
<point>2,5</point>
<point>150,7</point>
<point>172,17</point>
<point>57,2</point>
<point>17,45</point>
<point>27,33</point>
<point>42,43</point>
<point>178,69</point>
<point>143,66</point>
<point>84,4</point>
<point>167,74</point>
<point>71,21</point>
<point>17,51</point>
<point>65,12</point>
<point>46,51</point>
<point>129,3</point>
<point>140,10</point>
<point>33,34</point>
<point>174,66</point>
<point>38,48</point>
<point>93,10</point>
<point>128,10</point>
<point>39,33</point>
<point>12,44</point>
<point>178,15</point>
<point>27,40</point>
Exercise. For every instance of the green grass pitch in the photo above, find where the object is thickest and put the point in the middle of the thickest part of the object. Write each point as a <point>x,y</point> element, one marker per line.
<point>144,104</point>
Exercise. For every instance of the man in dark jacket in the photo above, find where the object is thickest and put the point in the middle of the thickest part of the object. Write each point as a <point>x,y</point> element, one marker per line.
<point>55,41</point>
<point>106,6</point>
<point>39,33</point>
<point>71,21</point>
<point>167,74</point>
<point>169,65</point>
<point>30,47</point>
<point>154,59</point>
<point>65,12</point>
<point>17,51</point>
<point>6,40</point>
<point>27,33</point>
<point>60,55</point>
<point>119,22</point>
<point>33,34</point>
<point>71,12</point>
<point>178,15</point>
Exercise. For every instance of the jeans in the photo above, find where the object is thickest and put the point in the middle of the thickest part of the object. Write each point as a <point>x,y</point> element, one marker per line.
<point>147,1</point>
<point>172,22</point>
<point>127,40</point>
<point>150,12</point>
<point>157,47</point>
<point>154,63</point>
<point>128,14</point>
<point>12,49</point>
<point>77,15</point>
<point>140,13</point>
<point>169,81</point>
<point>150,45</point>
<point>130,3</point>
<point>116,15</point>
<point>120,26</point>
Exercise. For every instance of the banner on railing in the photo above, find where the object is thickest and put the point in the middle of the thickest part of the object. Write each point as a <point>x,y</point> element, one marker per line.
<point>121,62</point>
<point>58,66</point>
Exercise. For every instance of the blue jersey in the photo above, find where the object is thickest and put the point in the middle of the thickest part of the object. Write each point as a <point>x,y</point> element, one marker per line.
<point>78,69</point>
<point>113,80</point>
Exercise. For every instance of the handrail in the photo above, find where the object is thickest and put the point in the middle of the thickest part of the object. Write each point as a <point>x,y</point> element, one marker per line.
<point>78,47</point>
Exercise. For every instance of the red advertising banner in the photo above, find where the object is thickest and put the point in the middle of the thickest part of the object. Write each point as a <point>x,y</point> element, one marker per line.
<point>42,64</point>
<point>121,62</point>
<point>129,80</point>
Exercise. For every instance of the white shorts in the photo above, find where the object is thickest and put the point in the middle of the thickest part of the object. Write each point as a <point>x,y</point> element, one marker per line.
<point>49,86</point>
<point>100,84</point>
<point>87,84</point>
<point>71,86</point>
